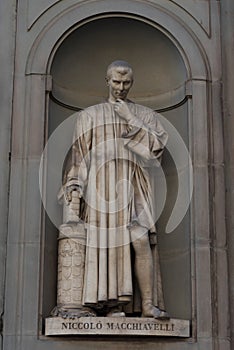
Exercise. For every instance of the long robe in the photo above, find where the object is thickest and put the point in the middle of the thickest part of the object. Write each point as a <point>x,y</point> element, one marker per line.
<point>109,163</point>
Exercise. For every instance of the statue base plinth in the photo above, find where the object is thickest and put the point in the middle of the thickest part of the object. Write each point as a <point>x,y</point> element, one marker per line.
<point>119,326</point>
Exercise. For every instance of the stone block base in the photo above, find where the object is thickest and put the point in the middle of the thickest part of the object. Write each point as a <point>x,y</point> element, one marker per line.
<point>119,326</point>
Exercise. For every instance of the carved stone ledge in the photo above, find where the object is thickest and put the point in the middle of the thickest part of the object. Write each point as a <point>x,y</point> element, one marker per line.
<point>119,326</point>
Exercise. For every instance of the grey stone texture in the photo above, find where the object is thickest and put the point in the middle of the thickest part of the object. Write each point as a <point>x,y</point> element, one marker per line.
<point>202,32</point>
<point>227,35</point>
<point>7,55</point>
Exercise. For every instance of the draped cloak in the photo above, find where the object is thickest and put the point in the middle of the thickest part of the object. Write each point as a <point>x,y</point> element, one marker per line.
<point>109,162</point>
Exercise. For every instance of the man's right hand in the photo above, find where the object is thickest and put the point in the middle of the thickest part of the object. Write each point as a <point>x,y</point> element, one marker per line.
<point>71,212</point>
<point>69,190</point>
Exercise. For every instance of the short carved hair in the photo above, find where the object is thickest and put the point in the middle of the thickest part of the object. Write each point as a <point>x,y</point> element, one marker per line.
<point>124,67</point>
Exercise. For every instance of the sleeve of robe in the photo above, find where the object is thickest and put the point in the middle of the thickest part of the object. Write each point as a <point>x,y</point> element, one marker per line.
<point>77,172</point>
<point>146,138</point>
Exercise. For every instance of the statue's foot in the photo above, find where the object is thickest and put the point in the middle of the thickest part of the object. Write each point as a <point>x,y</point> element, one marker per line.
<point>115,312</point>
<point>149,310</point>
<point>87,312</point>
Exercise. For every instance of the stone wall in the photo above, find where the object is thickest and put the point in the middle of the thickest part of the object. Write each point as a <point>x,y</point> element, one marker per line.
<point>7,61</point>
<point>227,31</point>
<point>30,33</point>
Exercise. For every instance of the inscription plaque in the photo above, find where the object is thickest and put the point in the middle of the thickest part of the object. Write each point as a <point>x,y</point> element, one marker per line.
<point>117,326</point>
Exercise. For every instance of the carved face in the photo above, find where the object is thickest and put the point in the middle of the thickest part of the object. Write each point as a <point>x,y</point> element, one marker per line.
<point>119,83</point>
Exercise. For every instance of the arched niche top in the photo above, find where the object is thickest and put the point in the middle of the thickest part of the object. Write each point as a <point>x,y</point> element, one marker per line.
<point>56,29</point>
<point>79,65</point>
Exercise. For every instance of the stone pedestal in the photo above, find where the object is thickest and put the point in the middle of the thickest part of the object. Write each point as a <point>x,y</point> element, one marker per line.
<point>71,258</point>
<point>119,326</point>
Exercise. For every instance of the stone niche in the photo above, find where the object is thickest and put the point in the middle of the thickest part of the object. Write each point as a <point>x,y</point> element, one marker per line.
<point>78,72</point>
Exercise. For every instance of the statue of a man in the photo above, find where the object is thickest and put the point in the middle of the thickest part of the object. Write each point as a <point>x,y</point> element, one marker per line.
<point>114,145</point>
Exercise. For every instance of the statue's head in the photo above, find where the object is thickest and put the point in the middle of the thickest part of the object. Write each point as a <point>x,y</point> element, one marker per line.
<point>121,66</point>
<point>119,78</point>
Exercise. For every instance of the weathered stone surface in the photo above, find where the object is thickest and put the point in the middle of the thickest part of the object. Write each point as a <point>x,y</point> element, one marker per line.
<point>117,326</point>
<point>227,27</point>
<point>38,34</point>
<point>7,49</point>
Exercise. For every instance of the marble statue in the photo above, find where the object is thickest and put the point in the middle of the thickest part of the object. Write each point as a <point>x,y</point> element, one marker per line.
<point>108,261</point>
